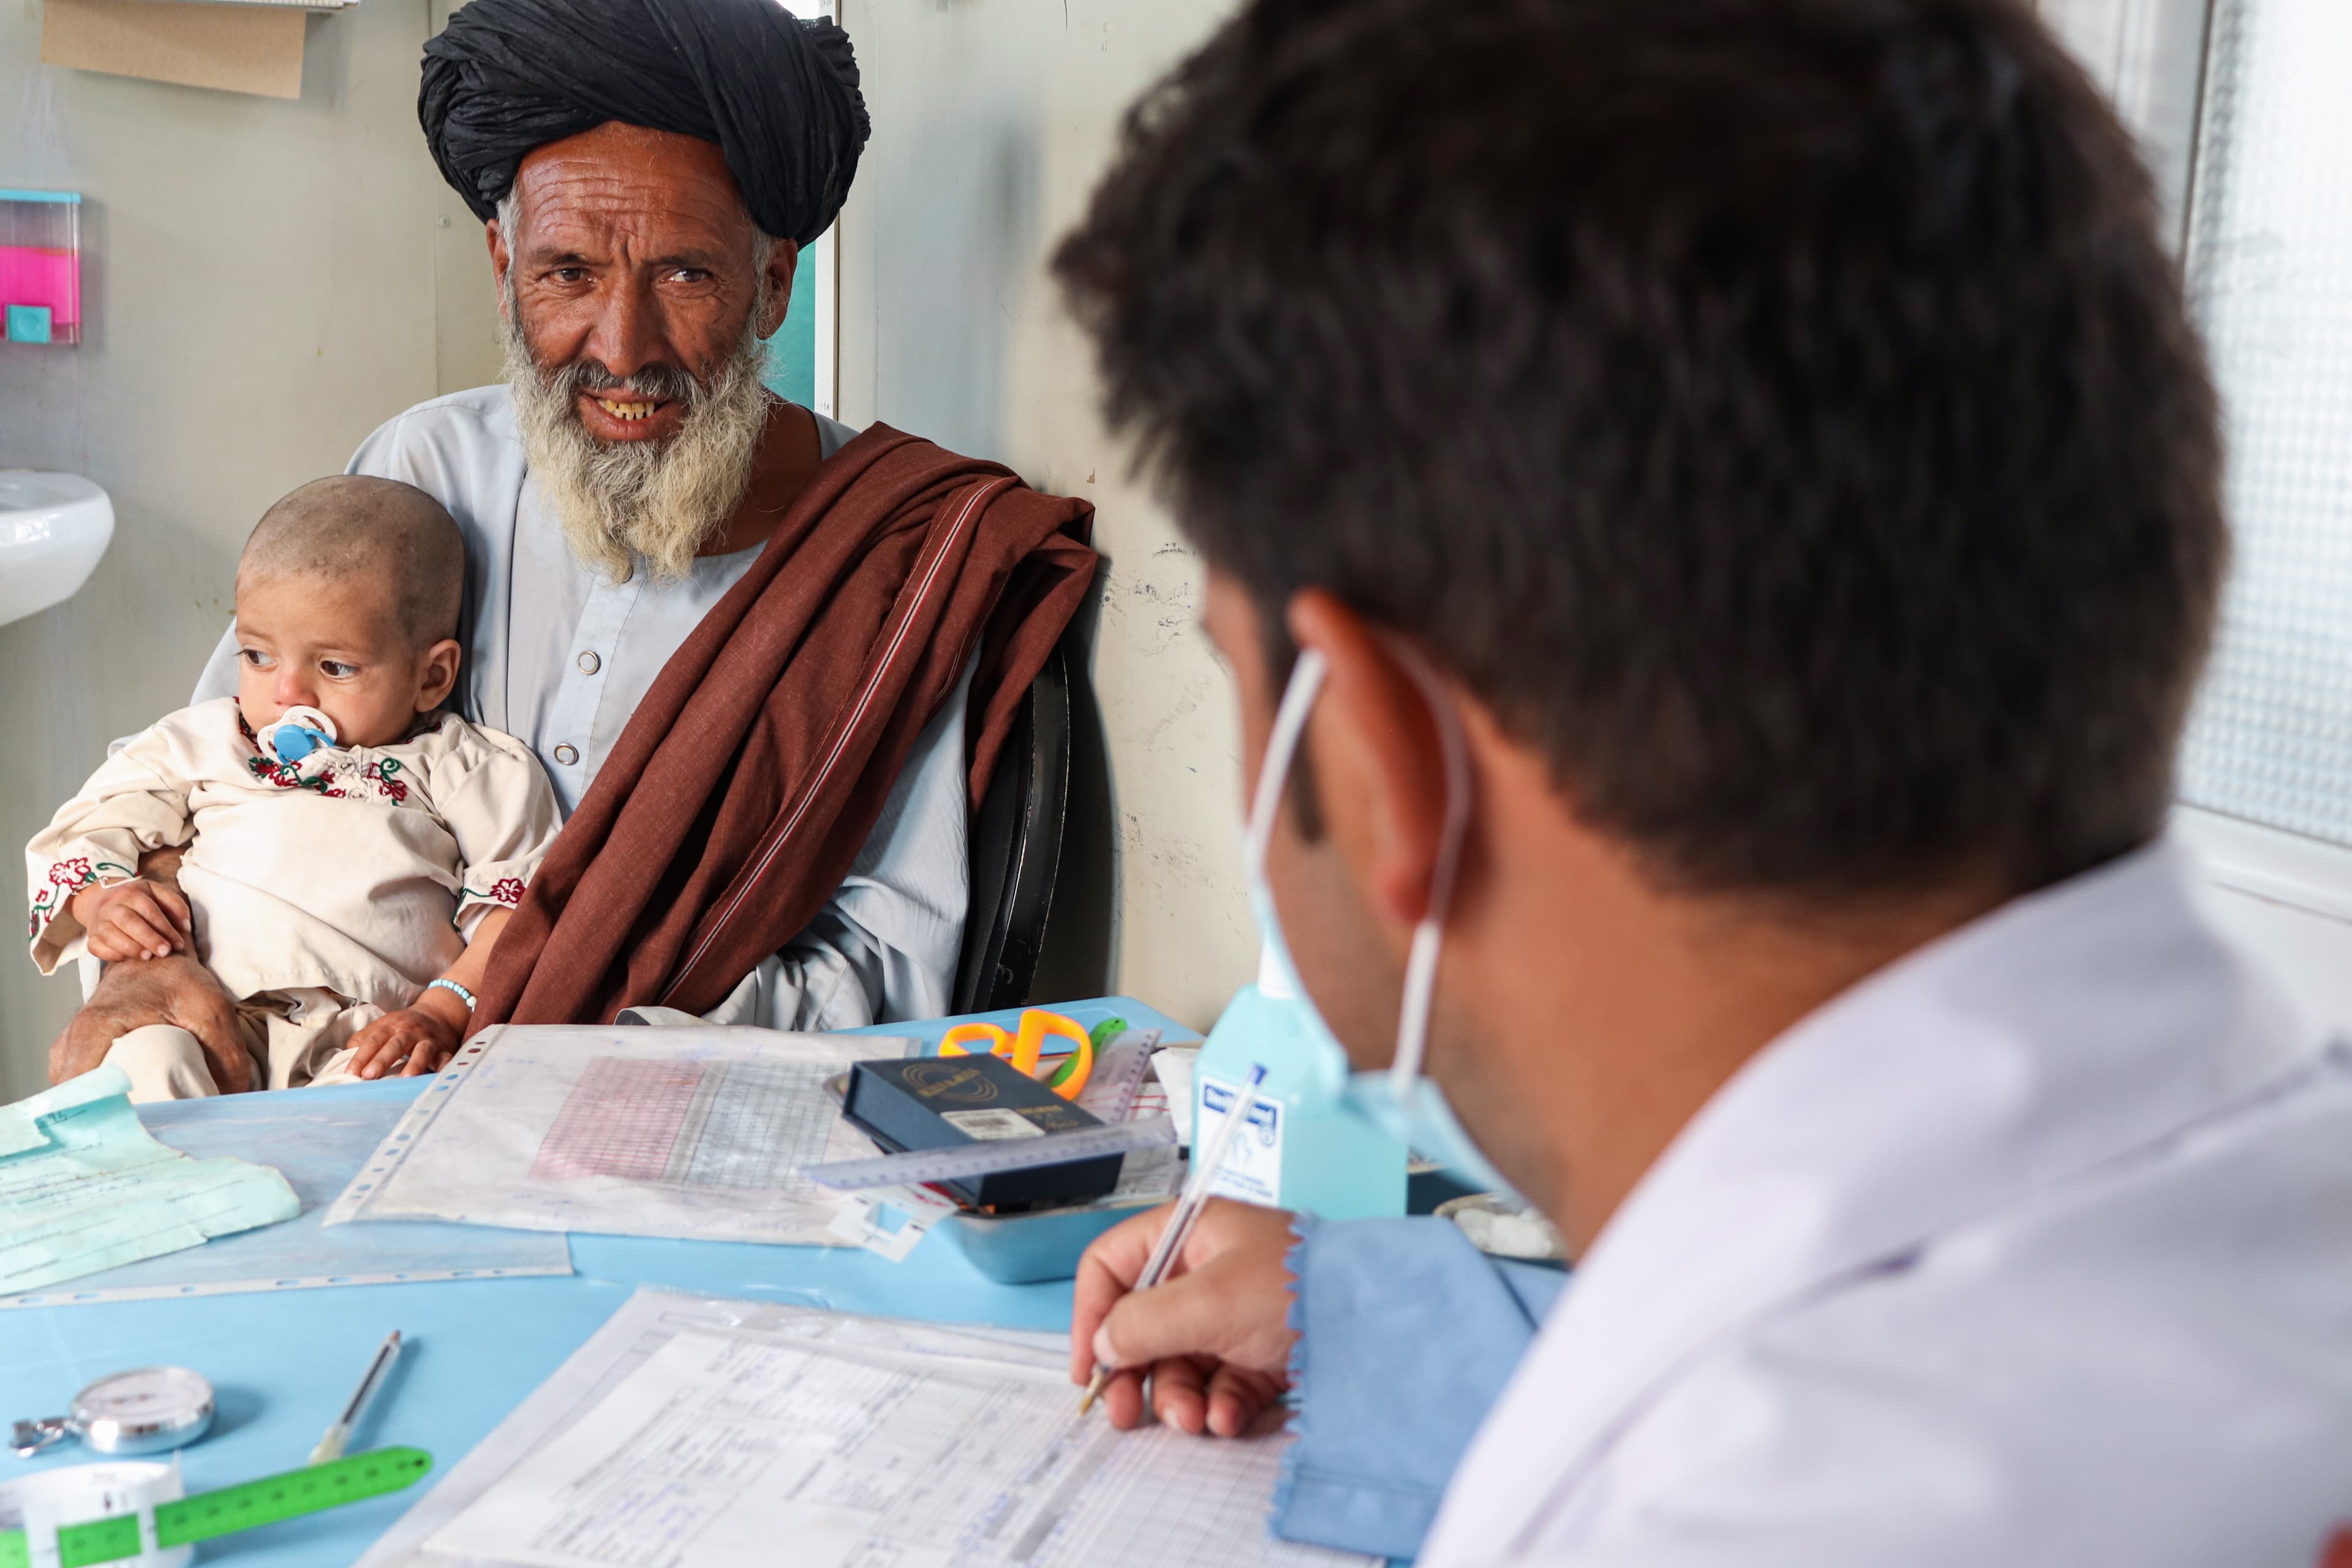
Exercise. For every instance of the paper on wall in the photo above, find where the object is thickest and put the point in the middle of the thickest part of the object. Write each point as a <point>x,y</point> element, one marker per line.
<point>84,1187</point>
<point>255,48</point>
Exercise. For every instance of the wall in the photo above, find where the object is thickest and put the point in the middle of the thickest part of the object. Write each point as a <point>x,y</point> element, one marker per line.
<point>465,303</point>
<point>261,278</point>
<point>993,120</point>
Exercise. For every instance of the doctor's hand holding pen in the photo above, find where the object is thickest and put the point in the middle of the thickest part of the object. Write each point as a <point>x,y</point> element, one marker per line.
<point>1214,1337</point>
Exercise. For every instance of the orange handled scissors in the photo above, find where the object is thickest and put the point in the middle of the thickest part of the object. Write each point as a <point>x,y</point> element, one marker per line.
<point>1028,1043</point>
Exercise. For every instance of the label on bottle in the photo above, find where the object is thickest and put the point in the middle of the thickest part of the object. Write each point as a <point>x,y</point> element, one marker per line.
<point>1252,1168</point>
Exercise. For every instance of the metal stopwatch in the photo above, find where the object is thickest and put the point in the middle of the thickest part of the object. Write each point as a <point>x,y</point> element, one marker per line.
<point>143,1411</point>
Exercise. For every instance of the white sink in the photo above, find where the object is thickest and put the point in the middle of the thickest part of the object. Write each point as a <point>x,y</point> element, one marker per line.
<point>53,528</point>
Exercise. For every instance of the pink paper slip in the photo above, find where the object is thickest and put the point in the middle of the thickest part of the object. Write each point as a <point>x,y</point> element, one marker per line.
<point>36,276</point>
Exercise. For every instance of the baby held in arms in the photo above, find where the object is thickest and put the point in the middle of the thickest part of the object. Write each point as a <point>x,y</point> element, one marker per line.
<point>350,853</point>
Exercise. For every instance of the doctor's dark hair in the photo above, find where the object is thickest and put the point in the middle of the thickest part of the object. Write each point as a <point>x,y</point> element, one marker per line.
<point>1780,412</point>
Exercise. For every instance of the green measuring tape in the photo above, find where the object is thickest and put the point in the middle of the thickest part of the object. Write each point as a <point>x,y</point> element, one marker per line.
<point>310,1489</point>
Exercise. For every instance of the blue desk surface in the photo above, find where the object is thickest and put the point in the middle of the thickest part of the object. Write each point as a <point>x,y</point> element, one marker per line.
<point>283,1362</point>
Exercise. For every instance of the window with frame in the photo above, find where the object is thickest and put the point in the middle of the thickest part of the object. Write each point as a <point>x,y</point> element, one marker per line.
<point>2268,267</point>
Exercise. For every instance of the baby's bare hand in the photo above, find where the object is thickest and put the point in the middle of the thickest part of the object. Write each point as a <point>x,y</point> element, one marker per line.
<point>133,918</point>
<point>422,1041</point>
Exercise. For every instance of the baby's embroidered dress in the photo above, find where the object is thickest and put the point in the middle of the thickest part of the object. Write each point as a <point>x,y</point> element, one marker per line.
<point>325,892</point>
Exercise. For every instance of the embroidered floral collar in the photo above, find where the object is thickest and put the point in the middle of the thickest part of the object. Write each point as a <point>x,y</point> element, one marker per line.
<point>338,773</point>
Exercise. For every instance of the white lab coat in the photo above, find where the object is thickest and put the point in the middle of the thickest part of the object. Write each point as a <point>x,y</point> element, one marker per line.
<point>2034,1249</point>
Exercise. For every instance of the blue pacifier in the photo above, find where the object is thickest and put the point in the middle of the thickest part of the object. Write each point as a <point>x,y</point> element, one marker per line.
<point>298,733</point>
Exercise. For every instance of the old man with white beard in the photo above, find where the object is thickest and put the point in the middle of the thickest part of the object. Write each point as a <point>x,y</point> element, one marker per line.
<point>649,174</point>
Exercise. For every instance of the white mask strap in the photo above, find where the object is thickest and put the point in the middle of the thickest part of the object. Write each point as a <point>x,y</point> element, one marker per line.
<point>1429,935</point>
<point>1281,746</point>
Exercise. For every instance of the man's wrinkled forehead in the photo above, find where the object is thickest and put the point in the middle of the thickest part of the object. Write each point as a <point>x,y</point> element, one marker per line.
<point>660,193</point>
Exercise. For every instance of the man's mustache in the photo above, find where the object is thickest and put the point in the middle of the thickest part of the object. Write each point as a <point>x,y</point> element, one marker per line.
<point>654,382</point>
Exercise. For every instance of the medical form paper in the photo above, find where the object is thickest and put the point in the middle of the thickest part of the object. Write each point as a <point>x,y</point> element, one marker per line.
<point>718,1434</point>
<point>83,1187</point>
<point>315,1140</point>
<point>694,1134</point>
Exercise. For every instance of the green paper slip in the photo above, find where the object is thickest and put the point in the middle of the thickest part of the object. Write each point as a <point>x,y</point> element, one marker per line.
<point>84,1186</point>
<point>311,1489</point>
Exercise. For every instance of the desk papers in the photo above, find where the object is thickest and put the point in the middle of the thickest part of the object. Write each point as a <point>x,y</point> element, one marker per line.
<point>315,1138</point>
<point>719,1434</point>
<point>83,1187</point>
<point>689,1133</point>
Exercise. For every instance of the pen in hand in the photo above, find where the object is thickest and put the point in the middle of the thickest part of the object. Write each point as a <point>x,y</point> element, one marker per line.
<point>1188,1210</point>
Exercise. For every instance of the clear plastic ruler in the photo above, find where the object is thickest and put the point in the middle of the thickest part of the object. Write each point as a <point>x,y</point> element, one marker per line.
<point>918,1165</point>
<point>1117,1078</point>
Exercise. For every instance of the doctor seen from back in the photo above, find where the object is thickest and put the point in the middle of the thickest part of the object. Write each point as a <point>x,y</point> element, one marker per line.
<point>1731,497</point>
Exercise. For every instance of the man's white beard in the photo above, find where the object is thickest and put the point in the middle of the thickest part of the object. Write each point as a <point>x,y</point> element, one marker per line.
<point>661,500</point>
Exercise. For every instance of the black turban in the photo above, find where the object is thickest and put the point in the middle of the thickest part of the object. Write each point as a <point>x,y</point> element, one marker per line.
<point>778,95</point>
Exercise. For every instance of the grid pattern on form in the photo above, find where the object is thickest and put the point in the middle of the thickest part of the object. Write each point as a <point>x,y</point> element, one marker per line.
<point>759,1125</point>
<point>622,1119</point>
<point>1161,1499</point>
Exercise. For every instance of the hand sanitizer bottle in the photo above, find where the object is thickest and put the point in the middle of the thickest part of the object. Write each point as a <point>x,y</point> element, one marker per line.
<point>1303,1148</point>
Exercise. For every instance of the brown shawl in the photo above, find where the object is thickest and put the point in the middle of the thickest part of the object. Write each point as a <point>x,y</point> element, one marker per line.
<point>748,777</point>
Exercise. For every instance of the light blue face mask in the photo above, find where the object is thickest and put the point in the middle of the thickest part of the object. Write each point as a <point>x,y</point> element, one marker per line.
<point>1400,1099</point>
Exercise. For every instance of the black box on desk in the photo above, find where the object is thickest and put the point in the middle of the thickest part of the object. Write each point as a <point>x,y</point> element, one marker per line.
<point>955,1102</point>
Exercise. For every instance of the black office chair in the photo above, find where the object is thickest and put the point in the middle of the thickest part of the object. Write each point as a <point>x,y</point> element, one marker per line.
<point>1017,848</point>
